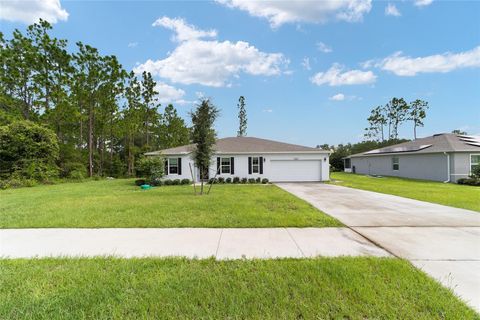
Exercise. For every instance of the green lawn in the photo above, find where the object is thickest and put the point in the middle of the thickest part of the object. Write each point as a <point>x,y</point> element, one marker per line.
<point>449,194</point>
<point>322,288</point>
<point>119,203</point>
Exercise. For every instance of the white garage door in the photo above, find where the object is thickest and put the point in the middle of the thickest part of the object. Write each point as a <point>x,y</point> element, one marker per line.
<point>295,170</point>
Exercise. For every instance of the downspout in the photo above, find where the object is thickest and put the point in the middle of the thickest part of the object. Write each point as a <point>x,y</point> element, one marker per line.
<point>448,168</point>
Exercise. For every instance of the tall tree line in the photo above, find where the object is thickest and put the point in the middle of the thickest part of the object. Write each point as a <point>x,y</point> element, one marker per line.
<point>103,116</point>
<point>385,121</point>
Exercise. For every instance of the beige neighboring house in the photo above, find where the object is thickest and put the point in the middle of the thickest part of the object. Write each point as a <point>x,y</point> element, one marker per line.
<point>443,157</point>
<point>249,157</point>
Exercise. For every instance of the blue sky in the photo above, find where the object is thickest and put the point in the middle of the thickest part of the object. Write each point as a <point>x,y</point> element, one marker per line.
<point>310,71</point>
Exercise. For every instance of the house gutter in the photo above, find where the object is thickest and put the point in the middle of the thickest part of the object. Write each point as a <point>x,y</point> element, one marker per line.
<point>448,167</point>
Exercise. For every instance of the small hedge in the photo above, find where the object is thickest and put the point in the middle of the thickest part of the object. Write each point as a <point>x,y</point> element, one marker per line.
<point>469,182</point>
<point>236,180</point>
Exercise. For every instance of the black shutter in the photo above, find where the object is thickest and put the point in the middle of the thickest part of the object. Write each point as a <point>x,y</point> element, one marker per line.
<point>218,165</point>
<point>166,166</point>
<point>232,166</point>
<point>179,166</point>
<point>249,165</point>
<point>261,164</point>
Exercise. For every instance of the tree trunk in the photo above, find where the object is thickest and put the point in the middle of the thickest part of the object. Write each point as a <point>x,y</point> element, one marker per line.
<point>90,141</point>
<point>111,147</point>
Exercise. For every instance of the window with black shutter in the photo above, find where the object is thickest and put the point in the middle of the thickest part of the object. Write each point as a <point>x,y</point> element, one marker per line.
<point>225,165</point>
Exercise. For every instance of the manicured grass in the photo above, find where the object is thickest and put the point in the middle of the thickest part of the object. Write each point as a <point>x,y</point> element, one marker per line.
<point>449,194</point>
<point>119,203</point>
<point>323,288</point>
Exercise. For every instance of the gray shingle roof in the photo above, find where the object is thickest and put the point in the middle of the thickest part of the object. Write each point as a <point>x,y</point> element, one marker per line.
<point>443,142</point>
<point>242,145</point>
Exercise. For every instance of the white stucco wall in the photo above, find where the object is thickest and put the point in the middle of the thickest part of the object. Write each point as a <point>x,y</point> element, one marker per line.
<point>303,163</point>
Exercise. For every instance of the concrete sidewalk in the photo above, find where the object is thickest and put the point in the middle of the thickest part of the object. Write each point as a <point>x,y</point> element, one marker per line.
<point>442,241</point>
<point>186,242</point>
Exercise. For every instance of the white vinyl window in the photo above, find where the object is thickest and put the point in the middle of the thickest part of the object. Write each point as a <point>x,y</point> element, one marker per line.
<point>173,166</point>
<point>225,165</point>
<point>474,161</point>
<point>255,165</point>
<point>395,163</point>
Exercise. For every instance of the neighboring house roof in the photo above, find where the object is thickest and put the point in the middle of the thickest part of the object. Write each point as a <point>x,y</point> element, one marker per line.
<point>443,142</point>
<point>243,145</point>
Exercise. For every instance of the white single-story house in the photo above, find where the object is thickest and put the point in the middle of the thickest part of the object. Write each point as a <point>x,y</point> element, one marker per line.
<point>443,157</point>
<point>248,157</point>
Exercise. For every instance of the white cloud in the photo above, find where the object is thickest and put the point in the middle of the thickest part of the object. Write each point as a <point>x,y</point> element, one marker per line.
<point>183,30</point>
<point>281,12</point>
<point>337,97</point>
<point>169,94</point>
<point>342,97</point>
<point>31,11</point>
<point>211,62</point>
<point>306,63</point>
<point>132,44</point>
<point>322,47</point>
<point>391,10</point>
<point>407,66</point>
<point>335,76</point>
<point>423,3</point>
<point>268,110</point>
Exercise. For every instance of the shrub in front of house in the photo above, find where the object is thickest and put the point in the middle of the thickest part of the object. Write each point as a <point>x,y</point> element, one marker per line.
<point>185,181</point>
<point>221,180</point>
<point>236,180</point>
<point>168,182</point>
<point>244,180</point>
<point>251,180</point>
<point>140,182</point>
<point>469,182</point>
<point>475,173</point>
<point>264,180</point>
<point>228,180</point>
<point>176,182</point>
<point>258,180</point>
<point>213,181</point>
<point>150,167</point>
<point>156,182</point>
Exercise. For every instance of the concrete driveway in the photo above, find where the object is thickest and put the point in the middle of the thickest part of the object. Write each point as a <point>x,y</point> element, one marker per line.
<point>442,241</point>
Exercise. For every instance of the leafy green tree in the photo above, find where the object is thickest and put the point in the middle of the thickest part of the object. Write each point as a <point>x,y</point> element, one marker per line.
<point>28,151</point>
<point>397,112</point>
<point>89,77</point>
<point>17,72</point>
<point>417,113</point>
<point>150,102</point>
<point>460,132</point>
<point>242,117</point>
<point>173,131</point>
<point>377,121</point>
<point>132,120</point>
<point>204,136</point>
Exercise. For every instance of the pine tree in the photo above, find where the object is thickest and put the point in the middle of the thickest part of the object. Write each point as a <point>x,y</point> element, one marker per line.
<point>242,117</point>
